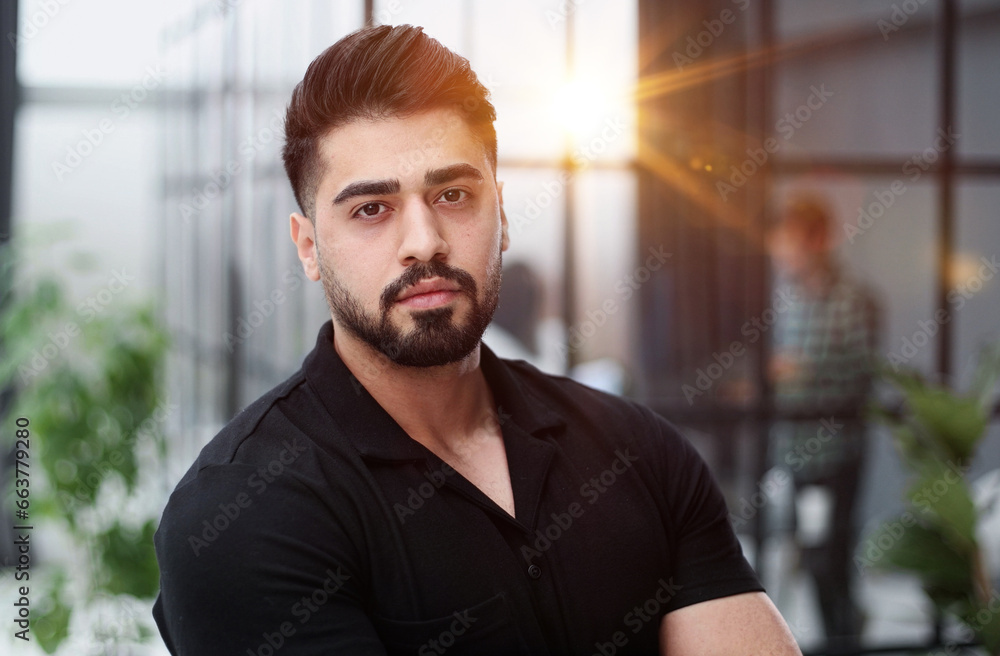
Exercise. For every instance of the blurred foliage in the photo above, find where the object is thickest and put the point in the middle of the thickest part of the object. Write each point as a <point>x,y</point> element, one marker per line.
<point>937,431</point>
<point>89,381</point>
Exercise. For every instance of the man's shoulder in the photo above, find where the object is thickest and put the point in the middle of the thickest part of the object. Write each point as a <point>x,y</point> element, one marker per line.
<point>235,440</point>
<point>572,400</point>
<point>611,426</point>
<point>266,456</point>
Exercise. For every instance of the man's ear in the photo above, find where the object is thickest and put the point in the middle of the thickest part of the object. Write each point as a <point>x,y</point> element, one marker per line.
<point>505,243</point>
<point>304,236</point>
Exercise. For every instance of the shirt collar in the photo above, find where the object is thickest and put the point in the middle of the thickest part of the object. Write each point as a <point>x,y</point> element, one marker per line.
<point>375,433</point>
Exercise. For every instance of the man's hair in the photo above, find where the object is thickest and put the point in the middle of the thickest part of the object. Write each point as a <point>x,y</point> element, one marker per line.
<point>807,215</point>
<point>377,73</point>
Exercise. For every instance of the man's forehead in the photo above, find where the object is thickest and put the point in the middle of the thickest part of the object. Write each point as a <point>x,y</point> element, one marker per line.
<point>401,147</point>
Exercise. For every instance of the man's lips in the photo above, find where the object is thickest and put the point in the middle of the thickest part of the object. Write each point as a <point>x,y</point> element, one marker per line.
<point>429,293</point>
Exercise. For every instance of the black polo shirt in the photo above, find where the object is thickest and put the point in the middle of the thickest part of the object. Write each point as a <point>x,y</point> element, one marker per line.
<point>314,525</point>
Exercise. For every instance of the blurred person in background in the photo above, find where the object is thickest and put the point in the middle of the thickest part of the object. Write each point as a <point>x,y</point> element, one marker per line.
<point>513,332</point>
<point>518,331</point>
<point>823,352</point>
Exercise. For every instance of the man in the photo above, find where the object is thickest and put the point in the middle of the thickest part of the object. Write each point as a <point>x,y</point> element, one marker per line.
<point>823,351</point>
<point>406,491</point>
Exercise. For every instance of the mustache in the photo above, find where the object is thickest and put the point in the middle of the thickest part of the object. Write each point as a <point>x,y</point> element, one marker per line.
<point>423,270</point>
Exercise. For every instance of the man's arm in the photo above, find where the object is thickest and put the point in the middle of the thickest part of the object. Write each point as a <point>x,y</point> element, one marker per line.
<point>745,624</point>
<point>247,567</point>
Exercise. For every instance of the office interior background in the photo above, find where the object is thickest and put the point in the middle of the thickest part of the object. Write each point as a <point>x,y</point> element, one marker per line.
<point>142,140</point>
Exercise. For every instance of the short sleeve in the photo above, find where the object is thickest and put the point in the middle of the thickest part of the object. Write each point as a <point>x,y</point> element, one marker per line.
<point>246,563</point>
<point>707,560</point>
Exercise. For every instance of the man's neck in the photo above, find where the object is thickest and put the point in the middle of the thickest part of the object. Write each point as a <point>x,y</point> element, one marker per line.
<point>440,407</point>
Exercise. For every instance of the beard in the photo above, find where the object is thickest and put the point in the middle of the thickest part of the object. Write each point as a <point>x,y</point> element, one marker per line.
<point>435,339</point>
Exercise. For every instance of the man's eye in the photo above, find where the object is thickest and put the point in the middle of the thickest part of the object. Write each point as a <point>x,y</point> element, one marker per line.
<point>454,196</point>
<point>369,209</point>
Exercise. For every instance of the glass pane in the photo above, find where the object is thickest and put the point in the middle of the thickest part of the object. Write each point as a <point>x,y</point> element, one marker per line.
<point>978,83</point>
<point>801,19</point>
<point>522,80</point>
<point>606,121</point>
<point>270,70</point>
<point>534,202</point>
<point>868,95</point>
<point>975,282</point>
<point>98,43</point>
<point>968,7</point>
<point>58,168</point>
<point>608,274</point>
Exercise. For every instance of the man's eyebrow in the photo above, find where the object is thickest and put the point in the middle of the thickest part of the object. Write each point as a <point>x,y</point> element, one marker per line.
<point>445,175</point>
<point>367,188</point>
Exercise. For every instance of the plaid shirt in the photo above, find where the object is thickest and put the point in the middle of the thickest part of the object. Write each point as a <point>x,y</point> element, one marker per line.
<point>833,338</point>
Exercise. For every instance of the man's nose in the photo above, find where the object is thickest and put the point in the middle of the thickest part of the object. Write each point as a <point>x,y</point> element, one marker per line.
<point>421,238</point>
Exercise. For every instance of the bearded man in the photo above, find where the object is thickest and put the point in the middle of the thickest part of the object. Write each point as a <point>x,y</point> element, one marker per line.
<point>406,491</point>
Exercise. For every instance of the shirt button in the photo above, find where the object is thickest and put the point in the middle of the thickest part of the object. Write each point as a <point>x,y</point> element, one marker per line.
<point>534,571</point>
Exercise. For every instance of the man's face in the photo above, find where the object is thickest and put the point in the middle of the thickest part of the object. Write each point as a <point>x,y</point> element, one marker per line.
<point>795,253</point>
<point>408,236</point>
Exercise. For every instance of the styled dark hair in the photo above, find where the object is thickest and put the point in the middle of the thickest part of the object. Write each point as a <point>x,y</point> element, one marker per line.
<point>373,73</point>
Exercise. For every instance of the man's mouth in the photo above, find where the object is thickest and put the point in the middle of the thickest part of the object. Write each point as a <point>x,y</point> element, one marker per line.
<point>430,293</point>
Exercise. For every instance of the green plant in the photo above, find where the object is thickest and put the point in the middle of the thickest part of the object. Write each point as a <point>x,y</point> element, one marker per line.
<point>936,432</point>
<point>89,382</point>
